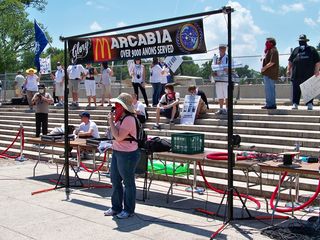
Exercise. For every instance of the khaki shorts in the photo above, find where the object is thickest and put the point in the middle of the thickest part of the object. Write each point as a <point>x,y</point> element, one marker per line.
<point>59,89</point>
<point>106,90</point>
<point>74,85</point>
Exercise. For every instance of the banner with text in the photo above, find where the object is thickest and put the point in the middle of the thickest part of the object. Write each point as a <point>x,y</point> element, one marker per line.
<point>178,39</point>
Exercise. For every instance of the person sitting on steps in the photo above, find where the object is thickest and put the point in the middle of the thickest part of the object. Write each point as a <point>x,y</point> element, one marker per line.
<point>168,105</point>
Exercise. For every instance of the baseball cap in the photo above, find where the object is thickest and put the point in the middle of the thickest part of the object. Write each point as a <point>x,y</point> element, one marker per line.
<point>84,114</point>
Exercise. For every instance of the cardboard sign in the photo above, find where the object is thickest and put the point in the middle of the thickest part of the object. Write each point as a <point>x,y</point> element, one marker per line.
<point>310,88</point>
<point>173,62</point>
<point>190,106</point>
<point>45,65</point>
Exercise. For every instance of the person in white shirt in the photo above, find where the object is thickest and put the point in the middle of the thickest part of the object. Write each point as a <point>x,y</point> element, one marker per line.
<point>164,75</point>
<point>59,82</point>
<point>76,73</point>
<point>90,84</point>
<point>31,86</point>
<point>156,75</point>
<point>18,84</point>
<point>139,108</point>
<point>105,83</point>
<point>87,128</point>
<point>138,74</point>
<point>221,77</point>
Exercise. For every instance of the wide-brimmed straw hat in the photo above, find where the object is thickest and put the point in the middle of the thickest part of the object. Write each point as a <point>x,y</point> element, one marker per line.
<point>126,101</point>
<point>31,70</point>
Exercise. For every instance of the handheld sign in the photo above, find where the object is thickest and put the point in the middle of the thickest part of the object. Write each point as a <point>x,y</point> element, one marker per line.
<point>310,88</point>
<point>173,62</point>
<point>189,111</point>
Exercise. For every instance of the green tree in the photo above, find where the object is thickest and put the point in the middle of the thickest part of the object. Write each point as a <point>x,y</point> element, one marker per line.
<point>189,67</point>
<point>205,70</point>
<point>38,4</point>
<point>16,34</point>
<point>318,47</point>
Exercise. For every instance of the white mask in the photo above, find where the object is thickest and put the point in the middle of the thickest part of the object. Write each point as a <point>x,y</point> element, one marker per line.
<point>166,91</point>
<point>41,90</point>
<point>59,67</point>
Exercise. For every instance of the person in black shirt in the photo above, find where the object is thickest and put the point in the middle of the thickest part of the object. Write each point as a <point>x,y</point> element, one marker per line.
<point>304,62</point>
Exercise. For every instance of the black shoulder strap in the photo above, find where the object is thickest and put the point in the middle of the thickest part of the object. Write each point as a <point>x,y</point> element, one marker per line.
<point>137,128</point>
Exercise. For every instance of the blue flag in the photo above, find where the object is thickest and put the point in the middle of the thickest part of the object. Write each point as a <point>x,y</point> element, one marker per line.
<point>41,42</point>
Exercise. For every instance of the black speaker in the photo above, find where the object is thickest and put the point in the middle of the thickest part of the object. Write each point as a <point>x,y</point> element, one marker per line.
<point>287,159</point>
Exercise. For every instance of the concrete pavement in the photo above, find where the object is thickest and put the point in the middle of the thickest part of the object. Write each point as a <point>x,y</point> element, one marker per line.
<point>49,216</point>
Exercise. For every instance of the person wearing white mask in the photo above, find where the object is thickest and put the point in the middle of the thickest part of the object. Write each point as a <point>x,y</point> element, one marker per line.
<point>138,74</point>
<point>59,81</point>
<point>42,100</point>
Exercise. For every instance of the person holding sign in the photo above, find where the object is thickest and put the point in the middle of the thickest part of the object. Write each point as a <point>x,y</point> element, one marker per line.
<point>270,72</point>
<point>168,105</point>
<point>221,77</point>
<point>138,74</point>
<point>304,62</point>
<point>203,103</point>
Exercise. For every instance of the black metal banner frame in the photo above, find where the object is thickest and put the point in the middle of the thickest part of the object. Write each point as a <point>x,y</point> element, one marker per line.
<point>224,10</point>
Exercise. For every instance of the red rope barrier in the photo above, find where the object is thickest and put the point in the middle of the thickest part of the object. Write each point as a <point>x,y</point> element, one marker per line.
<point>257,202</point>
<point>21,134</point>
<point>283,210</point>
<point>95,170</point>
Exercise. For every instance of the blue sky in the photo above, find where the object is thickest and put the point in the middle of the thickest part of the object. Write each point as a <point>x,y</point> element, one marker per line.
<point>253,21</point>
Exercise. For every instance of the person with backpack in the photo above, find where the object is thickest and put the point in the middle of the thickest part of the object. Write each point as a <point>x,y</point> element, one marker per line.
<point>125,157</point>
<point>168,105</point>
<point>140,109</point>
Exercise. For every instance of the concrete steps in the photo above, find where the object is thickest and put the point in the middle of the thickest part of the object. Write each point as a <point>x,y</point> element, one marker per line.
<point>272,131</point>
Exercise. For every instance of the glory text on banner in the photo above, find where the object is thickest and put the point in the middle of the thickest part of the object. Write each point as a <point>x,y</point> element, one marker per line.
<point>178,39</point>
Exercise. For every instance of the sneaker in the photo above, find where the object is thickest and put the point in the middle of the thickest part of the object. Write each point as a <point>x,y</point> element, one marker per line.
<point>295,106</point>
<point>124,214</point>
<point>156,126</point>
<point>310,106</point>
<point>110,212</point>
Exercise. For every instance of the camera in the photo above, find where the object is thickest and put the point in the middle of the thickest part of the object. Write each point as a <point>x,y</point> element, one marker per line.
<point>138,76</point>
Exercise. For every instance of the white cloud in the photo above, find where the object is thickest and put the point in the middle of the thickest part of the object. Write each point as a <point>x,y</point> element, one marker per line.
<point>318,20</point>
<point>295,7</point>
<point>89,3</point>
<point>121,24</point>
<point>208,8</point>
<point>310,22</point>
<point>95,27</point>
<point>244,32</point>
<point>267,9</point>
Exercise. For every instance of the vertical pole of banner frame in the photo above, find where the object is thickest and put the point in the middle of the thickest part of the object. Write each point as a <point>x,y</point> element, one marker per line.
<point>228,11</point>
<point>66,122</point>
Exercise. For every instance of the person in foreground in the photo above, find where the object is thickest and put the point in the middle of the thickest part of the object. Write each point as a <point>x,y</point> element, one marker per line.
<point>125,157</point>
<point>168,105</point>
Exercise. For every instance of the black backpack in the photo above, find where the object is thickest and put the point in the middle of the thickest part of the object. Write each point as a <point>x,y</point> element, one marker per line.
<point>141,137</point>
<point>157,144</point>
